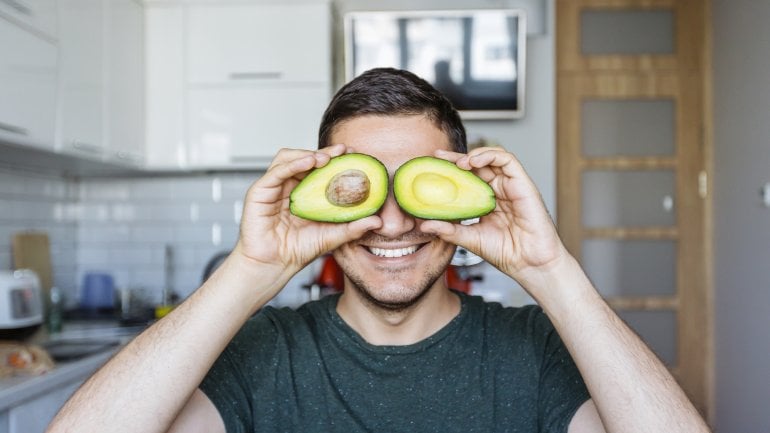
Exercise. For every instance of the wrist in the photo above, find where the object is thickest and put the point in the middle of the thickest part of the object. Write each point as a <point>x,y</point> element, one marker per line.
<point>559,286</point>
<point>248,282</point>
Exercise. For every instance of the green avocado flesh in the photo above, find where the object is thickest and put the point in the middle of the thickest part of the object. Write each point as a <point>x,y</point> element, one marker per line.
<point>349,187</point>
<point>432,188</point>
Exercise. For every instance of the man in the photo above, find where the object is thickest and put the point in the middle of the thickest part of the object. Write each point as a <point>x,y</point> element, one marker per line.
<point>397,351</point>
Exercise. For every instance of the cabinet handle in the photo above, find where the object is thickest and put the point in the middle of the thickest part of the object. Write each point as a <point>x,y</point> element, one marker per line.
<point>256,75</point>
<point>128,156</point>
<point>18,6</point>
<point>248,159</point>
<point>14,129</point>
<point>87,147</point>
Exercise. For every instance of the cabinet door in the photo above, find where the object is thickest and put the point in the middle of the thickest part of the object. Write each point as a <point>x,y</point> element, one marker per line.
<point>165,88</point>
<point>245,126</point>
<point>258,43</point>
<point>125,82</point>
<point>34,416</point>
<point>27,87</point>
<point>82,77</point>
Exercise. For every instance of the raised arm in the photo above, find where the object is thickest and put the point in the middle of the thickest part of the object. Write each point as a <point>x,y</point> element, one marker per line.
<point>146,385</point>
<point>632,391</point>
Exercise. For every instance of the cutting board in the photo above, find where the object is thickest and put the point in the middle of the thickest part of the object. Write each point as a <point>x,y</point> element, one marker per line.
<point>31,250</point>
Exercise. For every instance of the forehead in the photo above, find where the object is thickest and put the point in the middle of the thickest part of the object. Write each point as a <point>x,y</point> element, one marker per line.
<point>391,139</point>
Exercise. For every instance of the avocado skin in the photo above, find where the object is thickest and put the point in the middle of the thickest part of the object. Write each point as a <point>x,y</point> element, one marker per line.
<point>308,199</point>
<point>474,197</point>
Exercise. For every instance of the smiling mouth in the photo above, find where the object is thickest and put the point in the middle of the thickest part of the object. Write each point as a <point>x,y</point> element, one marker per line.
<point>394,252</point>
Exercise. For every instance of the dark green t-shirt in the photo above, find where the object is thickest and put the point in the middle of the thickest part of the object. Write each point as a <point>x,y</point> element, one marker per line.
<point>491,369</point>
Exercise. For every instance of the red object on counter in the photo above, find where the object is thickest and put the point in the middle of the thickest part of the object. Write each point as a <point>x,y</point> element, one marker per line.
<point>455,281</point>
<point>331,276</point>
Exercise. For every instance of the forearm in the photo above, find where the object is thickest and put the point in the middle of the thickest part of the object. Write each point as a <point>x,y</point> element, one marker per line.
<point>147,383</point>
<point>633,391</point>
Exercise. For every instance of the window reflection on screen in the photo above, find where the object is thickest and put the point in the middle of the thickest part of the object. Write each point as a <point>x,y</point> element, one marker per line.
<point>493,54</point>
<point>376,43</point>
<point>471,57</point>
<point>431,41</point>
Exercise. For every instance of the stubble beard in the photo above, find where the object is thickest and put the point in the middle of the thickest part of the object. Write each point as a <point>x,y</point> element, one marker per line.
<point>408,296</point>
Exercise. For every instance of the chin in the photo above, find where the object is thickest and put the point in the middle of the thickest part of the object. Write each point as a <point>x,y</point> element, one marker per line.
<point>392,296</point>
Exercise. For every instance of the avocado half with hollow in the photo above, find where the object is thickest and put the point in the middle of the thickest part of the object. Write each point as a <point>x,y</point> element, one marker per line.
<point>347,188</point>
<point>433,188</point>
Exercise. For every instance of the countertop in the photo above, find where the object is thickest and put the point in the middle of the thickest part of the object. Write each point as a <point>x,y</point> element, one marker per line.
<point>14,390</point>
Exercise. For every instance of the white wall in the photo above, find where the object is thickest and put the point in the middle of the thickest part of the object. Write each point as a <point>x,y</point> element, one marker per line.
<point>742,224</point>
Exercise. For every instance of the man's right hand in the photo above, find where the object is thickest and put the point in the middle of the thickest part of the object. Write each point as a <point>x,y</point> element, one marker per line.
<point>278,242</point>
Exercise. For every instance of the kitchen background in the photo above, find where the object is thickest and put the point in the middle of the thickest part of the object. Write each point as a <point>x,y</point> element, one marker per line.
<point>112,217</point>
<point>190,199</point>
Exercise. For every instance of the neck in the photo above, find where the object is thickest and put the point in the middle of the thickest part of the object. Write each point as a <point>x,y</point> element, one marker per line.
<point>383,327</point>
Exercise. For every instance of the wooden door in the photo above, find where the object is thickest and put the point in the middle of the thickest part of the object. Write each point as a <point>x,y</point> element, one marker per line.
<point>633,150</point>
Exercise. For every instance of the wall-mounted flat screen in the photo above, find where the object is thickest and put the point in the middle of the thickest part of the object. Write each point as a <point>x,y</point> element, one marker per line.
<point>476,57</point>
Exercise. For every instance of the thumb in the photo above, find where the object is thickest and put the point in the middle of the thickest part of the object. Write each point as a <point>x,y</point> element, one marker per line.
<point>458,234</point>
<point>340,234</point>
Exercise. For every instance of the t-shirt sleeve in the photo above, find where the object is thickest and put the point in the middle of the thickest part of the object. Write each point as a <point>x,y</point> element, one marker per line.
<point>562,390</point>
<point>227,385</point>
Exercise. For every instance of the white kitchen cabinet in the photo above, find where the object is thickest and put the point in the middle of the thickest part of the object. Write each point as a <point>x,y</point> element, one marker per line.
<point>165,87</point>
<point>82,78</point>
<point>33,416</point>
<point>245,125</point>
<point>28,65</point>
<point>231,83</point>
<point>125,82</point>
<point>238,42</point>
<point>101,80</point>
<point>38,16</point>
<point>29,403</point>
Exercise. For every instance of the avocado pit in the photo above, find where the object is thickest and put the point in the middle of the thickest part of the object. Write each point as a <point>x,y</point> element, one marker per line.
<point>348,188</point>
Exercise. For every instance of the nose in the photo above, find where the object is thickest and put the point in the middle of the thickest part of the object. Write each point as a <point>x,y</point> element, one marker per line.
<point>395,222</point>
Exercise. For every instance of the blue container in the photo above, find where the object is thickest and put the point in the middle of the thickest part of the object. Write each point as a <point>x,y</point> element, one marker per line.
<point>98,291</point>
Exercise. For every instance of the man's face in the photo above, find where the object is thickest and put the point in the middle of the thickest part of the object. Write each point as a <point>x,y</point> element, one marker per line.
<point>393,266</point>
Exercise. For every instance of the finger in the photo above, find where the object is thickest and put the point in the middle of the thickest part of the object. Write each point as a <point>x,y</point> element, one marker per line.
<point>448,155</point>
<point>335,149</point>
<point>279,173</point>
<point>494,157</point>
<point>465,236</point>
<point>339,234</point>
<point>322,155</point>
<point>285,155</point>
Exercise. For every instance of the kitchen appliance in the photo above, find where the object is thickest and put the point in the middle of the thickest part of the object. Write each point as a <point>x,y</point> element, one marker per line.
<point>21,303</point>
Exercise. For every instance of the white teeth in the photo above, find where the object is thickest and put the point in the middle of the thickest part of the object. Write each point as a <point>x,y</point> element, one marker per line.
<point>398,252</point>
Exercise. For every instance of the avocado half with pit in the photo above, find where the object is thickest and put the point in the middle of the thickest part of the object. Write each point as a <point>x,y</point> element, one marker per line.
<point>347,188</point>
<point>433,188</point>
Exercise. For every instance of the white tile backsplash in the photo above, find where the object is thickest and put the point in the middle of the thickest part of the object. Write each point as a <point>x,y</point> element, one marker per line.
<point>5,260</point>
<point>38,202</point>
<point>195,215</point>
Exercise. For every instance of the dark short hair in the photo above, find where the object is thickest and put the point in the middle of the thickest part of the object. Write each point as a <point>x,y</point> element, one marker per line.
<point>388,91</point>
